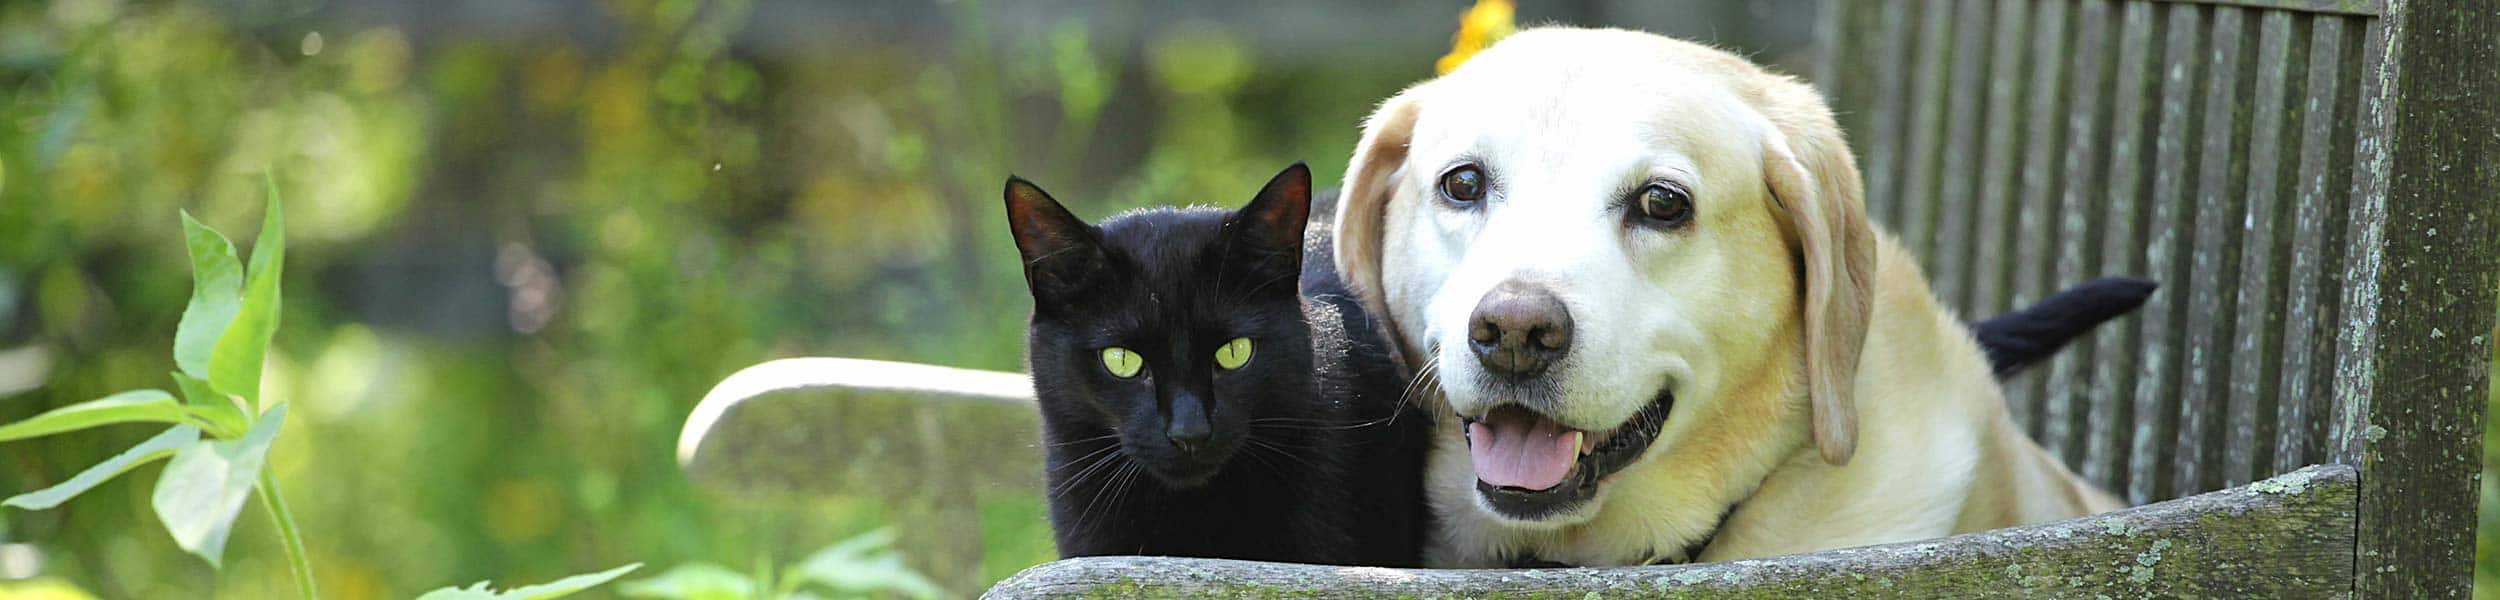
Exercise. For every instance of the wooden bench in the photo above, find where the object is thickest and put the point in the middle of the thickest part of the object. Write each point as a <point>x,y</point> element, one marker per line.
<point>2300,407</point>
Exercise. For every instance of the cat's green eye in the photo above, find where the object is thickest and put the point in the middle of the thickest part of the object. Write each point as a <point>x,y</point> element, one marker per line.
<point>1121,362</point>
<point>1234,354</point>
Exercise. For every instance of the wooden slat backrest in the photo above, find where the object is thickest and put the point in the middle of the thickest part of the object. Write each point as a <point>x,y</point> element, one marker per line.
<point>2315,183</point>
<point>2020,146</point>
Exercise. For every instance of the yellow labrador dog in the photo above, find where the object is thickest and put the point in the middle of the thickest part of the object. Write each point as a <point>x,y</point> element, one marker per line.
<point>1644,277</point>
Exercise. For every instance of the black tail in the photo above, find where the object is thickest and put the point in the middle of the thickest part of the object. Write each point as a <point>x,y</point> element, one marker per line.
<point>2019,339</point>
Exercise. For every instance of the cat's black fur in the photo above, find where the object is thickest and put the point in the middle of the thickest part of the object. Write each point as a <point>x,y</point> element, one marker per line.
<point>1312,455</point>
<point>2019,339</point>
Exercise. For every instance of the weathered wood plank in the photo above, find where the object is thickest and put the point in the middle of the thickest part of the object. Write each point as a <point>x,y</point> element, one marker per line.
<point>1999,178</point>
<point>1886,152</point>
<point>1987,237</point>
<point>2340,7</point>
<point>2037,238</point>
<point>2287,537</point>
<point>2156,383</point>
<point>1957,201</point>
<point>2256,345</point>
<point>2427,243</point>
<point>935,442</point>
<point>1848,72</point>
<point>1920,187</point>
<point>2211,252</point>
<point>802,426</point>
<point>2086,173</point>
<point>2140,222</point>
<point>2365,221</point>
<point>2312,289</point>
<point>2093,179</point>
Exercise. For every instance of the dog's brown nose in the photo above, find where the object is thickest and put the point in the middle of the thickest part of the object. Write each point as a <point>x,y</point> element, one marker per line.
<point>1518,329</point>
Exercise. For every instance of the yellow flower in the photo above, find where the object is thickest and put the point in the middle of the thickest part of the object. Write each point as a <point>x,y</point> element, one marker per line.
<point>1486,22</point>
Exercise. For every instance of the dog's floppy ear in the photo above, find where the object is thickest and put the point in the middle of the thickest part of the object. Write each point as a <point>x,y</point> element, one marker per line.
<point>1363,204</point>
<point>1814,181</point>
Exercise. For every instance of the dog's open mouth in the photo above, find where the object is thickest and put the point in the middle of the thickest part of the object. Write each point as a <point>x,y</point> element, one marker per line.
<point>1530,467</point>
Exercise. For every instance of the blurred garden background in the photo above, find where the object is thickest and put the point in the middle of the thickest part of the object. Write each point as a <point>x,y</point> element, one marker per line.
<point>527,236</point>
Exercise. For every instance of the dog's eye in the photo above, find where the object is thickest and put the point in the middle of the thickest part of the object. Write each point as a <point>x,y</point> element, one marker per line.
<point>1665,205</point>
<point>1463,185</point>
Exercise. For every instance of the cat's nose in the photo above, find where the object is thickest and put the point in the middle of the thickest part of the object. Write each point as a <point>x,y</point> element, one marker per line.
<point>1188,428</point>
<point>1188,441</point>
<point>1518,329</point>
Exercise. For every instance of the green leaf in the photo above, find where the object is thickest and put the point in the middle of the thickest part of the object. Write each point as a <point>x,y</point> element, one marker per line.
<point>205,486</point>
<point>234,365</point>
<point>216,294</point>
<point>857,545</point>
<point>696,581</point>
<point>220,412</point>
<point>163,445</point>
<point>555,589</point>
<point>865,564</point>
<point>134,406</point>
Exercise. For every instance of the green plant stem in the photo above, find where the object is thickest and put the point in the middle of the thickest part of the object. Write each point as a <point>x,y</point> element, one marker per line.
<point>295,556</point>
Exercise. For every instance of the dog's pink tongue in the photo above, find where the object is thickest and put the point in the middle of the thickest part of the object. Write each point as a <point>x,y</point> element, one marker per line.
<point>1517,449</point>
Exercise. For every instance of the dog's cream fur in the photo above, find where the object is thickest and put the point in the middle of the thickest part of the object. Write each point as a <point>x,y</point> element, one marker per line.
<point>1820,391</point>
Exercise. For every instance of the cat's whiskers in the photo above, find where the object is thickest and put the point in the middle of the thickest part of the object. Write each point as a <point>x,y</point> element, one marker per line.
<point>1262,444</point>
<point>1118,485</point>
<point>1301,421</point>
<point>1431,371</point>
<point>1264,462</point>
<point>1074,461</point>
<point>1089,471</point>
<point>1090,439</point>
<point>1279,430</point>
<point>1135,472</point>
<point>1324,425</point>
<point>1297,451</point>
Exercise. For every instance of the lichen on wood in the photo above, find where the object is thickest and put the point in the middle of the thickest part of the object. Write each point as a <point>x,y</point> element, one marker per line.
<point>2289,536</point>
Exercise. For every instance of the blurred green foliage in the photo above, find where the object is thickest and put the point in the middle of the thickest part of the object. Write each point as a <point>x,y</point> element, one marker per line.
<point>517,261</point>
<point>861,565</point>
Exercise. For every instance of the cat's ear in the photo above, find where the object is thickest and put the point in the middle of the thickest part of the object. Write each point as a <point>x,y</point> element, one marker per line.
<point>1272,225</point>
<point>1263,241</point>
<point>1062,254</point>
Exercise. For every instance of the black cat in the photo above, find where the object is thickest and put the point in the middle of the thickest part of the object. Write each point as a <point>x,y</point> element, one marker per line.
<point>1196,401</point>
